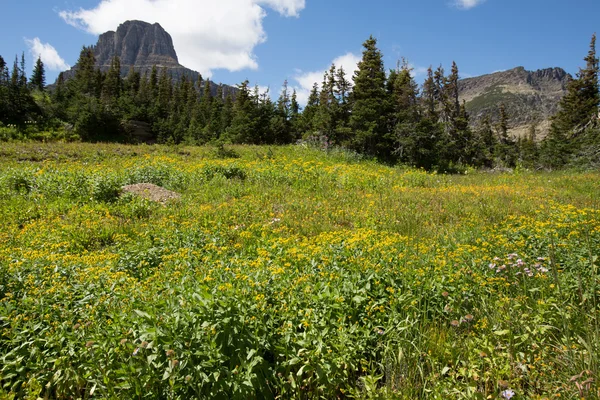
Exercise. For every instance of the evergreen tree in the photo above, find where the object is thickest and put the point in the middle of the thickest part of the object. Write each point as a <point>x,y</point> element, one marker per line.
<point>294,116</point>
<point>324,117</point>
<point>368,119</point>
<point>4,80</point>
<point>226,114</point>
<point>85,81</point>
<point>528,150</point>
<point>342,110</point>
<point>485,144</point>
<point>38,78</point>
<point>428,96</point>
<point>506,150</point>
<point>577,109</point>
<point>312,106</point>
<point>113,84</point>
<point>280,122</point>
<point>410,146</point>
<point>243,127</point>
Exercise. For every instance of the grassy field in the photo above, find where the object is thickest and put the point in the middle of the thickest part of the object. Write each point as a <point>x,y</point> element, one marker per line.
<point>292,273</point>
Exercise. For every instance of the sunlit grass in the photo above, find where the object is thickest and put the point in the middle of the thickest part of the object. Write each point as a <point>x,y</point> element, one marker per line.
<point>293,273</point>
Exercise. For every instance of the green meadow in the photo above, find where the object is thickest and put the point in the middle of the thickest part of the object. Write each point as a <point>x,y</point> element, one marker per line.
<point>292,273</point>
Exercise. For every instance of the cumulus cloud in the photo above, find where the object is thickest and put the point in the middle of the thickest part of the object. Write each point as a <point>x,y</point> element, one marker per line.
<point>207,34</point>
<point>305,80</point>
<point>50,57</point>
<point>468,4</point>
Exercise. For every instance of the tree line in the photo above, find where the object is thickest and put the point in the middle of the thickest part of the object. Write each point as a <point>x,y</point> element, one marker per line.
<point>379,113</point>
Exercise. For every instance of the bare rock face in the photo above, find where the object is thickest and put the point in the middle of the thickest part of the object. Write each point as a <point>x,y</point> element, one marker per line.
<point>137,43</point>
<point>530,97</point>
<point>140,45</point>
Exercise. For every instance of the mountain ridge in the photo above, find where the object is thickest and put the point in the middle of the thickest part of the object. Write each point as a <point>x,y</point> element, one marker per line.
<point>530,97</point>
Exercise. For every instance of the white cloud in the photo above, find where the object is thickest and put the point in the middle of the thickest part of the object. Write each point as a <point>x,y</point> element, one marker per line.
<point>50,57</point>
<point>305,80</point>
<point>468,4</point>
<point>417,71</point>
<point>207,34</point>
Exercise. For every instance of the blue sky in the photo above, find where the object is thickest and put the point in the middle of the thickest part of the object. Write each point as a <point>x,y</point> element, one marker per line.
<point>268,41</point>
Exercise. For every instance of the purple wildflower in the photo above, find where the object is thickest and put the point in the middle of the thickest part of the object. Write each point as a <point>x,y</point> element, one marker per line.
<point>508,394</point>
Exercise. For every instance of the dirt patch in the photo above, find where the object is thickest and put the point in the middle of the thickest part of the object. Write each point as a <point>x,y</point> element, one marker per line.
<point>151,192</point>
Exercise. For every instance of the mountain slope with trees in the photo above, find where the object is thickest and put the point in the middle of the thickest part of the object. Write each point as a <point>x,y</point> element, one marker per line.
<point>382,114</point>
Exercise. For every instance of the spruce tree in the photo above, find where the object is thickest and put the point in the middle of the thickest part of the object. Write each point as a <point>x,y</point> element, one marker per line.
<point>243,127</point>
<point>294,116</point>
<point>486,143</point>
<point>323,120</point>
<point>312,106</point>
<point>86,77</point>
<point>577,110</point>
<point>3,90</point>
<point>368,120</point>
<point>38,77</point>
<point>414,142</point>
<point>428,96</point>
<point>280,122</point>
<point>113,84</point>
<point>506,151</point>
<point>343,88</point>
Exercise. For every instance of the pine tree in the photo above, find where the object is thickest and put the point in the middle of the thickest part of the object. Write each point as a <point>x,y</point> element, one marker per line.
<point>243,127</point>
<point>368,120</point>
<point>280,121</point>
<point>486,143</point>
<point>4,80</point>
<point>342,110</point>
<point>312,106</point>
<point>226,114</point>
<point>506,151</point>
<point>294,116</point>
<point>428,96</point>
<point>86,77</point>
<point>38,77</point>
<point>324,117</point>
<point>577,109</point>
<point>414,142</point>
<point>113,84</point>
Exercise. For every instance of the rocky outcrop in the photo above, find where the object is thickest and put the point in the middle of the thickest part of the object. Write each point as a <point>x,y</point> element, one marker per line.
<point>142,45</point>
<point>530,97</point>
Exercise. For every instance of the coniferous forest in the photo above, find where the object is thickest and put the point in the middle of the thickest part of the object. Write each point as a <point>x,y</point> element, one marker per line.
<point>379,113</point>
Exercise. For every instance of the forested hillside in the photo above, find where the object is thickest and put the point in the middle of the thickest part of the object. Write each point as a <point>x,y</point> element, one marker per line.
<point>378,113</point>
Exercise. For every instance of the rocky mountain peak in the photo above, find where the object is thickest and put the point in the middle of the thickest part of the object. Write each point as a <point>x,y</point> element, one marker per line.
<point>530,97</point>
<point>137,43</point>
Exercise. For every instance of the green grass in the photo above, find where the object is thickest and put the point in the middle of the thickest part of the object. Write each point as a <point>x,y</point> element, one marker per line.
<point>291,273</point>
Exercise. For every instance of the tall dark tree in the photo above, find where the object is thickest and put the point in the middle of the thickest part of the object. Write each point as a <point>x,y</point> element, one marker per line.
<point>486,143</point>
<point>280,123</point>
<point>413,146</point>
<point>294,116</point>
<point>506,150</point>
<point>4,80</point>
<point>312,106</point>
<point>113,84</point>
<point>368,120</point>
<point>244,127</point>
<point>38,77</point>
<point>86,74</point>
<point>577,109</point>
<point>428,96</point>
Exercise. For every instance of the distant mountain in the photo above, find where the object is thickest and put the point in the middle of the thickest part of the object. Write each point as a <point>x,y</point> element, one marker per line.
<point>142,45</point>
<point>531,97</point>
